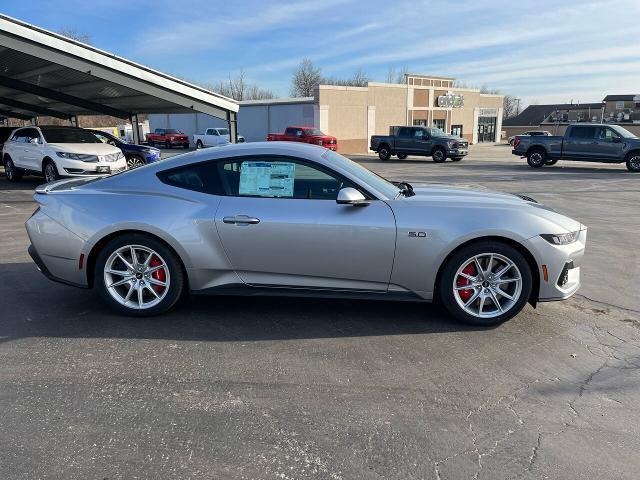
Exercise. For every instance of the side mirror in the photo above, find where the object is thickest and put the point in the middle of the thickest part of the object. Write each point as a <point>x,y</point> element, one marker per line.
<point>33,141</point>
<point>351,196</point>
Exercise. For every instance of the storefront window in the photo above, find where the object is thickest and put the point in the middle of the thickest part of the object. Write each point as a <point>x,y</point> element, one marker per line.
<point>439,124</point>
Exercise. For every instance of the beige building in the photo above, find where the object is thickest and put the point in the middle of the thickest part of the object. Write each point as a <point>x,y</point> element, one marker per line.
<point>353,114</point>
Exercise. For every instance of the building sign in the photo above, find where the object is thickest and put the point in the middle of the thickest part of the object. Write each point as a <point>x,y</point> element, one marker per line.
<point>451,100</point>
<point>487,112</point>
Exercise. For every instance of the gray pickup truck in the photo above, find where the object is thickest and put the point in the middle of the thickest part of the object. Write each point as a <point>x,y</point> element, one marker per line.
<point>422,141</point>
<point>584,142</point>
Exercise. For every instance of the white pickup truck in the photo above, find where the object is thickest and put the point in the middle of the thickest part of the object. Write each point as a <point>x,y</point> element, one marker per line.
<point>213,137</point>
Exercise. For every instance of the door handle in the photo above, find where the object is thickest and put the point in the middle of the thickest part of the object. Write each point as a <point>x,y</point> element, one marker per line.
<point>241,220</point>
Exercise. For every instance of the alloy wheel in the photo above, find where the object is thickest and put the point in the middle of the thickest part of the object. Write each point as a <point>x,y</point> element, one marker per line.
<point>634,163</point>
<point>536,158</point>
<point>136,276</point>
<point>487,285</point>
<point>49,172</point>
<point>135,162</point>
<point>8,169</point>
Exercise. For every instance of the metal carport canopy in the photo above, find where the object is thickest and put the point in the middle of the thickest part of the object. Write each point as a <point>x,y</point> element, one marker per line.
<point>43,73</point>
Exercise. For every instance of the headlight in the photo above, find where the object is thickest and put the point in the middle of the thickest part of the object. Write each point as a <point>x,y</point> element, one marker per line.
<point>319,142</point>
<point>560,238</point>
<point>78,156</point>
<point>120,155</point>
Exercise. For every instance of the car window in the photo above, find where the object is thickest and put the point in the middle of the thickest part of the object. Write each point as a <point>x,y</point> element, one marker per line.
<point>583,132</point>
<point>404,132</point>
<point>18,136</point>
<point>606,134</point>
<point>69,135</point>
<point>30,133</point>
<point>276,177</point>
<point>290,131</point>
<point>223,131</point>
<point>418,133</point>
<point>201,177</point>
<point>159,131</point>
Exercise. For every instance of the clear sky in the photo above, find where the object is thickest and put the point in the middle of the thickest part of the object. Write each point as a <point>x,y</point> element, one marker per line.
<point>542,51</point>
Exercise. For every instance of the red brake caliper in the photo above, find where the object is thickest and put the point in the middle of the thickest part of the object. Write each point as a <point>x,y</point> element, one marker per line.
<point>159,274</point>
<point>461,282</point>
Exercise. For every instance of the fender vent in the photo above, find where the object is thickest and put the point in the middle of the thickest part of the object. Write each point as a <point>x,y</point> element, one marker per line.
<point>525,198</point>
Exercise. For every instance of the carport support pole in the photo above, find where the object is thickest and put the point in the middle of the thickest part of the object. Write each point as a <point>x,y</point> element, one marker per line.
<point>135,128</point>
<point>74,121</point>
<point>233,126</point>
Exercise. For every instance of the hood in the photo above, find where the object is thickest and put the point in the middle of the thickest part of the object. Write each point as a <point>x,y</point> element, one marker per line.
<point>477,197</point>
<point>452,137</point>
<point>85,148</point>
<point>132,147</point>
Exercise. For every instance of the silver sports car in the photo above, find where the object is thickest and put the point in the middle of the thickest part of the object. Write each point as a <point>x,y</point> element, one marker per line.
<point>296,219</point>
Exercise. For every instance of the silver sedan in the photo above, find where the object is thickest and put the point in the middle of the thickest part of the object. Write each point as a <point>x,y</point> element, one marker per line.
<point>295,219</point>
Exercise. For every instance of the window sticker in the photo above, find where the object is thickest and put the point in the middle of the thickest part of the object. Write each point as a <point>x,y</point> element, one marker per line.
<point>267,179</point>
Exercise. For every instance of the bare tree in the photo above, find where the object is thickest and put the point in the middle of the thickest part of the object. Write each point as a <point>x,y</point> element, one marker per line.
<point>238,88</point>
<point>75,34</point>
<point>392,75</point>
<point>509,106</point>
<point>402,75</point>
<point>491,91</point>
<point>306,78</point>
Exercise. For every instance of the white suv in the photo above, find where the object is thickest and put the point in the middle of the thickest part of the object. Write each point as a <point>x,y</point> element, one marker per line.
<point>59,152</point>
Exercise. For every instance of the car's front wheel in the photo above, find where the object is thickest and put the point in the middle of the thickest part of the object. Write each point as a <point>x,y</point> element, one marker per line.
<point>439,155</point>
<point>135,161</point>
<point>138,275</point>
<point>485,283</point>
<point>633,162</point>
<point>50,171</point>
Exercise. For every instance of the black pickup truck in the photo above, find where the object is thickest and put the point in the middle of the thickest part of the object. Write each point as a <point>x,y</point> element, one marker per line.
<point>584,142</point>
<point>422,141</point>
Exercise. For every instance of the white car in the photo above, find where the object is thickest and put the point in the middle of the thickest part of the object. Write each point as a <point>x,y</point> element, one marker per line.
<point>214,137</point>
<point>56,152</point>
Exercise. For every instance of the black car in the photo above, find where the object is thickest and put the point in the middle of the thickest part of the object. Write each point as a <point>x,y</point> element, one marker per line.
<point>423,141</point>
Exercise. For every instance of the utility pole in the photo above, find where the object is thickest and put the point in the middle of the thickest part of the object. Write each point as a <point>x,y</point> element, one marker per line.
<point>518,106</point>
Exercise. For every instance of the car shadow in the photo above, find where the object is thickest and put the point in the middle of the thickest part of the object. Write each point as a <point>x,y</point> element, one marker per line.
<point>36,307</point>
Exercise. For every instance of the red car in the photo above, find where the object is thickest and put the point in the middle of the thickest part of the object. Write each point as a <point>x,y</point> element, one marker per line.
<point>306,135</point>
<point>167,137</point>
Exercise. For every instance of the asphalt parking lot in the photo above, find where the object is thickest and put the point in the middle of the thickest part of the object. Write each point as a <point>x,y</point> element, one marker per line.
<point>269,388</point>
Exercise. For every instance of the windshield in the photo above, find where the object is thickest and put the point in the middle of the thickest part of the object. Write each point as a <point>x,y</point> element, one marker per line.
<point>436,132</point>
<point>385,187</point>
<point>69,135</point>
<point>171,131</point>
<point>623,132</point>
<point>313,131</point>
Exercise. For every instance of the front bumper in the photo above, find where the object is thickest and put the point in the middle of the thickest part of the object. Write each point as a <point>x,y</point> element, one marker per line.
<point>77,168</point>
<point>562,263</point>
<point>151,157</point>
<point>458,152</point>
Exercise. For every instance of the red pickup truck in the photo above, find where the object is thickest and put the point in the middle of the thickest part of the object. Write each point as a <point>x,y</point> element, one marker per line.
<point>168,137</point>
<point>306,135</point>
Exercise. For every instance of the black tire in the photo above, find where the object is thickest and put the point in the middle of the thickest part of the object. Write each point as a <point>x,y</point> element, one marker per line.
<point>13,173</point>
<point>402,156</point>
<point>199,145</point>
<point>167,144</point>
<point>384,153</point>
<point>511,142</point>
<point>135,161</point>
<point>150,143</point>
<point>439,155</point>
<point>458,259</point>
<point>50,171</point>
<point>186,146</point>
<point>176,274</point>
<point>633,162</point>
<point>551,162</point>
<point>537,158</point>
<point>456,159</point>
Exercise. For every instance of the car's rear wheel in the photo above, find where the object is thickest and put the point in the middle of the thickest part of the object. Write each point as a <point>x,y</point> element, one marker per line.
<point>384,153</point>
<point>633,162</point>
<point>50,171</point>
<point>485,283</point>
<point>439,155</point>
<point>135,161</point>
<point>198,145</point>
<point>13,174</point>
<point>537,158</point>
<point>139,275</point>
<point>402,156</point>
